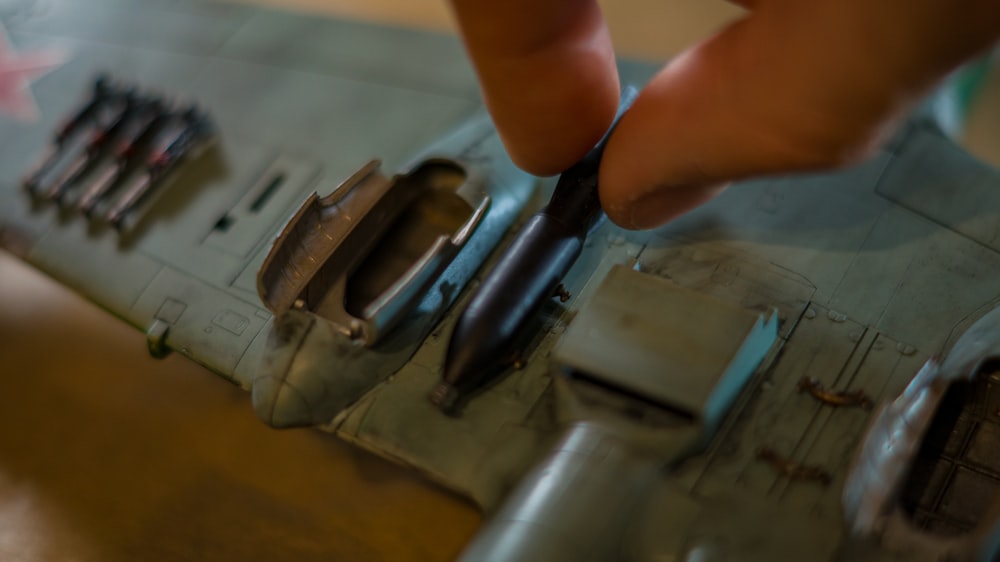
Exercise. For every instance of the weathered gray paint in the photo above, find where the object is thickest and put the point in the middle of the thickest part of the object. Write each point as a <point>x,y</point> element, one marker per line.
<point>872,269</point>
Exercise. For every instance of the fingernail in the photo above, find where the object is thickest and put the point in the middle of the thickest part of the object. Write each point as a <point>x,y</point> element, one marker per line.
<point>653,209</point>
<point>660,206</point>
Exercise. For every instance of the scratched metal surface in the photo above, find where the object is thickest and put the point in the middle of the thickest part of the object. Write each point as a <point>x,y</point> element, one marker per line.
<point>871,268</point>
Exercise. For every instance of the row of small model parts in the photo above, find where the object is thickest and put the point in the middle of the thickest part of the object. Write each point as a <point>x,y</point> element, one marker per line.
<point>115,151</point>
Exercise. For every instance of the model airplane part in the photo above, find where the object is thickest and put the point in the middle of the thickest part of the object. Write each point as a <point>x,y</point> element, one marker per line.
<point>183,136</point>
<point>703,396</point>
<point>527,274</point>
<point>357,279</point>
<point>73,127</point>
<point>127,152</point>
<point>643,380</point>
<point>101,140</point>
<point>875,494</point>
<point>117,137</point>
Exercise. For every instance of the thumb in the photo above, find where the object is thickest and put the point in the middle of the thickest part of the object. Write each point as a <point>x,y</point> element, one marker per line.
<point>793,86</point>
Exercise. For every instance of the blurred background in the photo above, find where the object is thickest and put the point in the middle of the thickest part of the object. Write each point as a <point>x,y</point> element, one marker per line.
<point>98,462</point>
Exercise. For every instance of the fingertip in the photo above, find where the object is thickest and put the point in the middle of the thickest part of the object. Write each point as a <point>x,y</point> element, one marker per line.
<point>644,183</point>
<point>549,161</point>
<point>715,115</point>
<point>660,206</point>
<point>547,139</point>
<point>548,76</point>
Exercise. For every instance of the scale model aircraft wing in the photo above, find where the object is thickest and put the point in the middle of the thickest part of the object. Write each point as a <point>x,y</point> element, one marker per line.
<point>750,339</point>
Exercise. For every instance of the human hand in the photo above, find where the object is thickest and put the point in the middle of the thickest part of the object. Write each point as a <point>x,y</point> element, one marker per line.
<point>795,85</point>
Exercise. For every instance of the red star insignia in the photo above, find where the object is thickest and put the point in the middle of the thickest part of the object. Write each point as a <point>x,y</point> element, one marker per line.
<point>17,71</point>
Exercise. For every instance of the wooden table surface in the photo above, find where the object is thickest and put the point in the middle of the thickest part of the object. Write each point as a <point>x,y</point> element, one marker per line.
<point>107,455</point>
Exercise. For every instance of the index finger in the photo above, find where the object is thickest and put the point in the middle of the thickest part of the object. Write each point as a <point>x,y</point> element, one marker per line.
<point>548,75</point>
